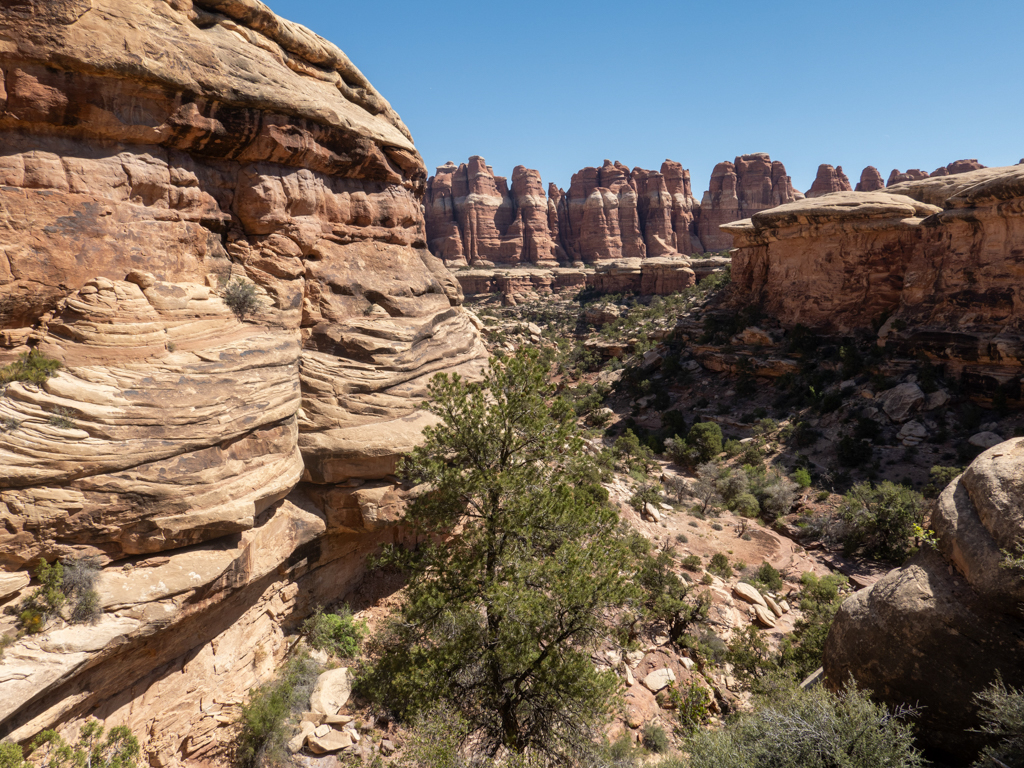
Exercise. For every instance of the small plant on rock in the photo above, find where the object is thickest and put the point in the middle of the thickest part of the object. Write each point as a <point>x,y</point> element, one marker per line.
<point>32,366</point>
<point>338,633</point>
<point>60,417</point>
<point>240,296</point>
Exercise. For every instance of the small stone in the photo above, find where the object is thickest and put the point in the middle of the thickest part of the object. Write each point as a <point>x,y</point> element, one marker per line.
<point>630,680</point>
<point>313,717</point>
<point>658,679</point>
<point>533,329</point>
<point>688,663</point>
<point>299,741</point>
<point>322,730</point>
<point>784,605</point>
<point>387,747</point>
<point>338,719</point>
<point>774,607</point>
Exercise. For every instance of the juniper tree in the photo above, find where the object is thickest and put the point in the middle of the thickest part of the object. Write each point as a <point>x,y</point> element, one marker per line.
<point>504,609</point>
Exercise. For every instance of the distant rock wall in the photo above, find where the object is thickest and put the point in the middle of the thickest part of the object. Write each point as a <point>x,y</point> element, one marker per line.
<point>228,474</point>
<point>939,257</point>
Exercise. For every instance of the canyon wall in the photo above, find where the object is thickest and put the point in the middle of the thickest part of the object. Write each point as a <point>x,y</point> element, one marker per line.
<point>228,473</point>
<point>474,218</point>
<point>935,262</point>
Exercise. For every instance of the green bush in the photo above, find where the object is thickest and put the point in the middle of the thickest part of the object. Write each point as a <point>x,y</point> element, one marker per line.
<point>719,565</point>
<point>241,297</point>
<point>46,600</point>
<point>692,705</point>
<point>880,520</point>
<point>939,477</point>
<point>801,477</point>
<point>768,577</point>
<point>692,563</point>
<point>746,505</point>
<point>265,717</point>
<point>646,493</point>
<point>119,750</point>
<point>337,633</point>
<point>1001,709</point>
<point>802,650</point>
<point>32,366</point>
<point>655,738</point>
<point>61,417</point>
<point>706,438</point>
<point>810,729</point>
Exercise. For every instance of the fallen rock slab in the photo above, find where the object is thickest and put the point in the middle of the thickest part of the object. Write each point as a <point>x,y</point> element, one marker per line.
<point>331,692</point>
<point>749,594</point>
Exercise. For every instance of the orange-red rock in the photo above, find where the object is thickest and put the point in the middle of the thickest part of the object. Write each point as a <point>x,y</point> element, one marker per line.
<point>870,180</point>
<point>829,180</point>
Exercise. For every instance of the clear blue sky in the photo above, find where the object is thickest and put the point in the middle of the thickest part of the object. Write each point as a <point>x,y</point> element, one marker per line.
<point>559,85</point>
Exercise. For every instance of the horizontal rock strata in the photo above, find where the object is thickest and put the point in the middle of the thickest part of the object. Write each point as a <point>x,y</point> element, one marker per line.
<point>228,471</point>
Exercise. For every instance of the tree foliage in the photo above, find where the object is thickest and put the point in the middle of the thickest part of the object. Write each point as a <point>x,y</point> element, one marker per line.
<point>500,619</point>
<point>880,519</point>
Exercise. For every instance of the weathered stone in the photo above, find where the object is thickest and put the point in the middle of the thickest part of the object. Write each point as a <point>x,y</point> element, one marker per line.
<point>763,616</point>
<point>829,180</point>
<point>658,679</point>
<point>985,439</point>
<point>332,741</point>
<point>331,691</point>
<point>773,606</point>
<point>900,401</point>
<point>748,593</point>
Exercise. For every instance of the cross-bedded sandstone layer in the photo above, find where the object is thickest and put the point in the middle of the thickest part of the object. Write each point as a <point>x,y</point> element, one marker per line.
<point>228,473</point>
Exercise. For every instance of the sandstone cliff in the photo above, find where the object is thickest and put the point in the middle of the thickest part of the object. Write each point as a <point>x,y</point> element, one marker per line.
<point>611,212</point>
<point>916,256</point>
<point>738,190</point>
<point>939,629</point>
<point>829,180</point>
<point>870,180</point>
<point>228,474</point>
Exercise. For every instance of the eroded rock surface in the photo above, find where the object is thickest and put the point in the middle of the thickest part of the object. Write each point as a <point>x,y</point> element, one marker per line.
<point>228,473</point>
<point>939,629</point>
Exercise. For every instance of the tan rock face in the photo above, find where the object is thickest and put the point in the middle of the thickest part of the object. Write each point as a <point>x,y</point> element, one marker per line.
<point>151,153</point>
<point>829,180</point>
<point>954,609</point>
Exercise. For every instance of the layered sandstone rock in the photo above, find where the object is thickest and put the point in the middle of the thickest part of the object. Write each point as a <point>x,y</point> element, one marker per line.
<point>829,180</point>
<point>152,155</point>
<point>607,213</point>
<point>738,190</point>
<point>955,610</point>
<point>870,180</point>
<point>939,256</point>
<point>915,174</point>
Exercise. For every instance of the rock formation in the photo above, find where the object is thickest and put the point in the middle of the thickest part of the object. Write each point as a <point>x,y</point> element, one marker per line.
<point>870,180</point>
<point>607,213</point>
<point>738,190</point>
<point>914,174</point>
<point>941,628</point>
<point>920,253</point>
<point>829,180</point>
<point>228,475</point>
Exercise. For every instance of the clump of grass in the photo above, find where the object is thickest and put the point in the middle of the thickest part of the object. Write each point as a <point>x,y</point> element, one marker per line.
<point>338,633</point>
<point>60,417</point>
<point>32,366</point>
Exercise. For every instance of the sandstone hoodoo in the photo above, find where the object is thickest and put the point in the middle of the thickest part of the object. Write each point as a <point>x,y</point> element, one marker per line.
<point>870,180</point>
<point>910,259</point>
<point>738,190</point>
<point>948,622</point>
<point>221,243</point>
<point>829,180</point>
<point>914,174</point>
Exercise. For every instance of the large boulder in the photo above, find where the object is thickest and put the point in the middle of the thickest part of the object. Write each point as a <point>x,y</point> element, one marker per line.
<point>946,624</point>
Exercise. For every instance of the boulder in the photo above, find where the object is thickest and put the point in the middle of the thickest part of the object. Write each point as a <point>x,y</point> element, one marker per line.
<point>331,692</point>
<point>901,401</point>
<point>651,513</point>
<point>985,439</point>
<point>763,616</point>
<point>333,741</point>
<point>912,433</point>
<point>773,606</point>
<point>954,608</point>
<point>749,594</point>
<point>658,679</point>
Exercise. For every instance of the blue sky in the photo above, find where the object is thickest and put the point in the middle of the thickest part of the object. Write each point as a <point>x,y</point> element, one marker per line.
<point>560,85</point>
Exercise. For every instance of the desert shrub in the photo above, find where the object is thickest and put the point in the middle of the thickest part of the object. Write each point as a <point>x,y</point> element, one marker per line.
<point>731,484</point>
<point>79,585</point>
<point>265,717</point>
<point>655,738</point>
<point>692,705</point>
<point>746,505</point>
<point>646,493</point>
<point>337,633</point>
<point>732,448</point>
<point>241,297</point>
<point>61,417</point>
<point>692,563</point>
<point>1001,709</point>
<point>706,487</point>
<point>801,477</point>
<point>120,749</point>
<point>717,526</point>
<point>719,565</point>
<point>633,453</point>
<point>801,651</point>
<point>752,454</point>
<point>776,496</point>
<point>880,520</point>
<point>46,600</point>
<point>707,579</point>
<point>682,538</point>
<point>768,578</point>
<point>706,439</point>
<point>853,452</point>
<point>794,728</point>
<point>938,478</point>
<point>751,656</point>
<point>11,756</point>
<point>32,366</point>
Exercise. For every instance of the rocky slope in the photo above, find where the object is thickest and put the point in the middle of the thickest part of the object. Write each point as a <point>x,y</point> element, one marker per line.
<point>939,629</point>
<point>935,262</point>
<point>228,475</point>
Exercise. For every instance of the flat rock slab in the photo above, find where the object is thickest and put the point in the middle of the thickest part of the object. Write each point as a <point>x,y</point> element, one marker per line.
<point>749,594</point>
<point>658,679</point>
<point>330,742</point>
